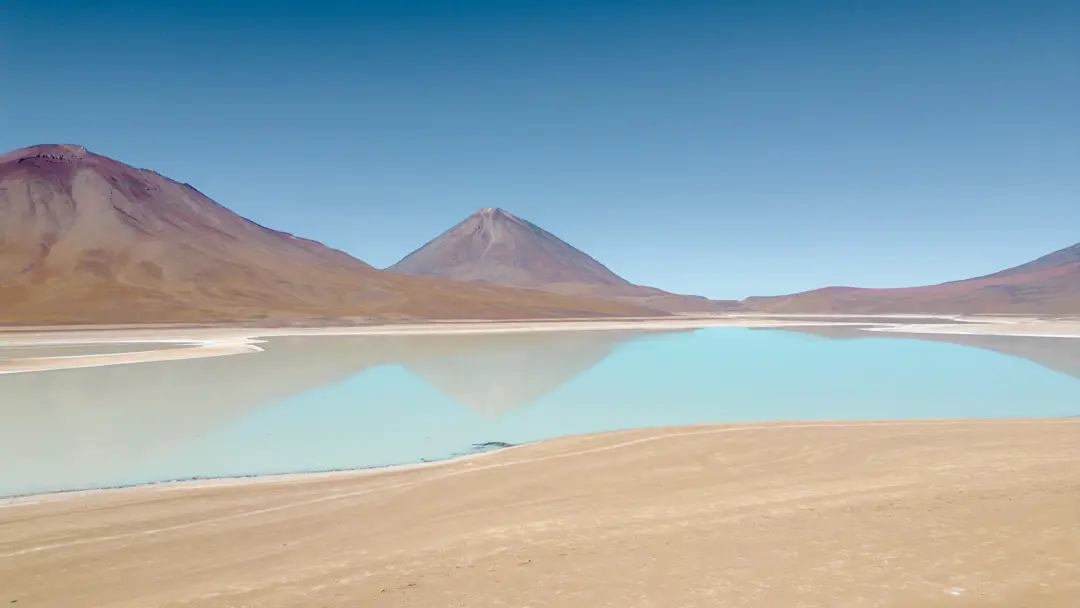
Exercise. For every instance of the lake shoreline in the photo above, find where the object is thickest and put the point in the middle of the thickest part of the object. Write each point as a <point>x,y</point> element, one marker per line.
<point>252,479</point>
<point>238,481</point>
<point>225,341</point>
<point>813,513</point>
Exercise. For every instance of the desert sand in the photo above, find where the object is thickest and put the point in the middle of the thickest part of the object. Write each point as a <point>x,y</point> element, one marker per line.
<point>846,514</point>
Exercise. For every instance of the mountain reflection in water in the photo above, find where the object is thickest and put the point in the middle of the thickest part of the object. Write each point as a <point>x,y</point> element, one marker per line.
<point>78,424</point>
<point>1058,354</point>
<point>323,403</point>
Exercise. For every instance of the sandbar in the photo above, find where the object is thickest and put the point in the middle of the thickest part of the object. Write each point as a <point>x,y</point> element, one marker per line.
<point>211,341</point>
<point>927,513</point>
<point>1032,327</point>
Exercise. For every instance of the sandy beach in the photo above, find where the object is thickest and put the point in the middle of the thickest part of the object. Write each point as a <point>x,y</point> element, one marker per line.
<point>845,514</point>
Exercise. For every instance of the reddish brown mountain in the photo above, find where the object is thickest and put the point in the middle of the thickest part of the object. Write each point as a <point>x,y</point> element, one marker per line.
<point>495,247</point>
<point>84,238</point>
<point>1048,285</point>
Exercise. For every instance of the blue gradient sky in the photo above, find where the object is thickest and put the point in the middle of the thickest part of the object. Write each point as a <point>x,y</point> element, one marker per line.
<point>721,148</point>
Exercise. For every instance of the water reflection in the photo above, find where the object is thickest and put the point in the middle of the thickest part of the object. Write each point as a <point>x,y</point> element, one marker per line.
<point>495,373</point>
<point>319,403</point>
<point>74,428</point>
<point>1058,354</point>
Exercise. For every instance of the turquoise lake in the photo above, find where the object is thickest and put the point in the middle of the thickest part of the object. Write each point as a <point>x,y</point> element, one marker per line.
<point>327,403</point>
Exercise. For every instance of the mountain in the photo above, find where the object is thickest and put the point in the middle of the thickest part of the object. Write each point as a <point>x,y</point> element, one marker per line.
<point>495,247</point>
<point>84,238</point>
<point>1048,285</point>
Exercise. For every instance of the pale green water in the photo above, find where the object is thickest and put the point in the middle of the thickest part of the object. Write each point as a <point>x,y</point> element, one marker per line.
<point>310,404</point>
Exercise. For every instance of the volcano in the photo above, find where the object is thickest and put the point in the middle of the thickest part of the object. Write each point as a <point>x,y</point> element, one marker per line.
<point>495,247</point>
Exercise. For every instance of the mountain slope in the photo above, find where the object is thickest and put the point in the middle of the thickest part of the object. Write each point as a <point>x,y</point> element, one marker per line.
<point>1048,285</point>
<point>84,238</point>
<point>495,247</point>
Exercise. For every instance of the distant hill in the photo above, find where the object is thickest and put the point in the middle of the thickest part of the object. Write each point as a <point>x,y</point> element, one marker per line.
<point>1048,285</point>
<point>495,247</point>
<point>84,238</point>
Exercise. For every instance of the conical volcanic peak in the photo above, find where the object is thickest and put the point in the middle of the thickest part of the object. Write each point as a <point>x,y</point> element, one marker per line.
<point>494,246</point>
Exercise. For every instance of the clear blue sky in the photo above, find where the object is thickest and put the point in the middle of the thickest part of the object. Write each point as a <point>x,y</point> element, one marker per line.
<point>721,148</point>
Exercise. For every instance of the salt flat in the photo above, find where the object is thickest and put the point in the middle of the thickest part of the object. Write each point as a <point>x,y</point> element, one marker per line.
<point>209,341</point>
<point>846,514</point>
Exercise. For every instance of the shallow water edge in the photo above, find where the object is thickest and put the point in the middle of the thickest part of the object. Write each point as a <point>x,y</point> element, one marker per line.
<point>652,433</point>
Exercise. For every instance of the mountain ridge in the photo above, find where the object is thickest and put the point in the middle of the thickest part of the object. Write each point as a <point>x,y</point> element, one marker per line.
<point>1047,285</point>
<point>85,238</point>
<point>88,239</point>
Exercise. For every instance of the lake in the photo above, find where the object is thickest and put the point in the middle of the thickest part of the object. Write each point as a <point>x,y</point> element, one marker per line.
<point>327,403</point>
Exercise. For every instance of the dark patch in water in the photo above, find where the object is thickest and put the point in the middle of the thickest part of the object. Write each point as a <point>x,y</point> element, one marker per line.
<point>491,445</point>
<point>487,446</point>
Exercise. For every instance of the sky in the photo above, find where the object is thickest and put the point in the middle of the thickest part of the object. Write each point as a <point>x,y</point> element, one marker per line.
<point>726,149</point>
